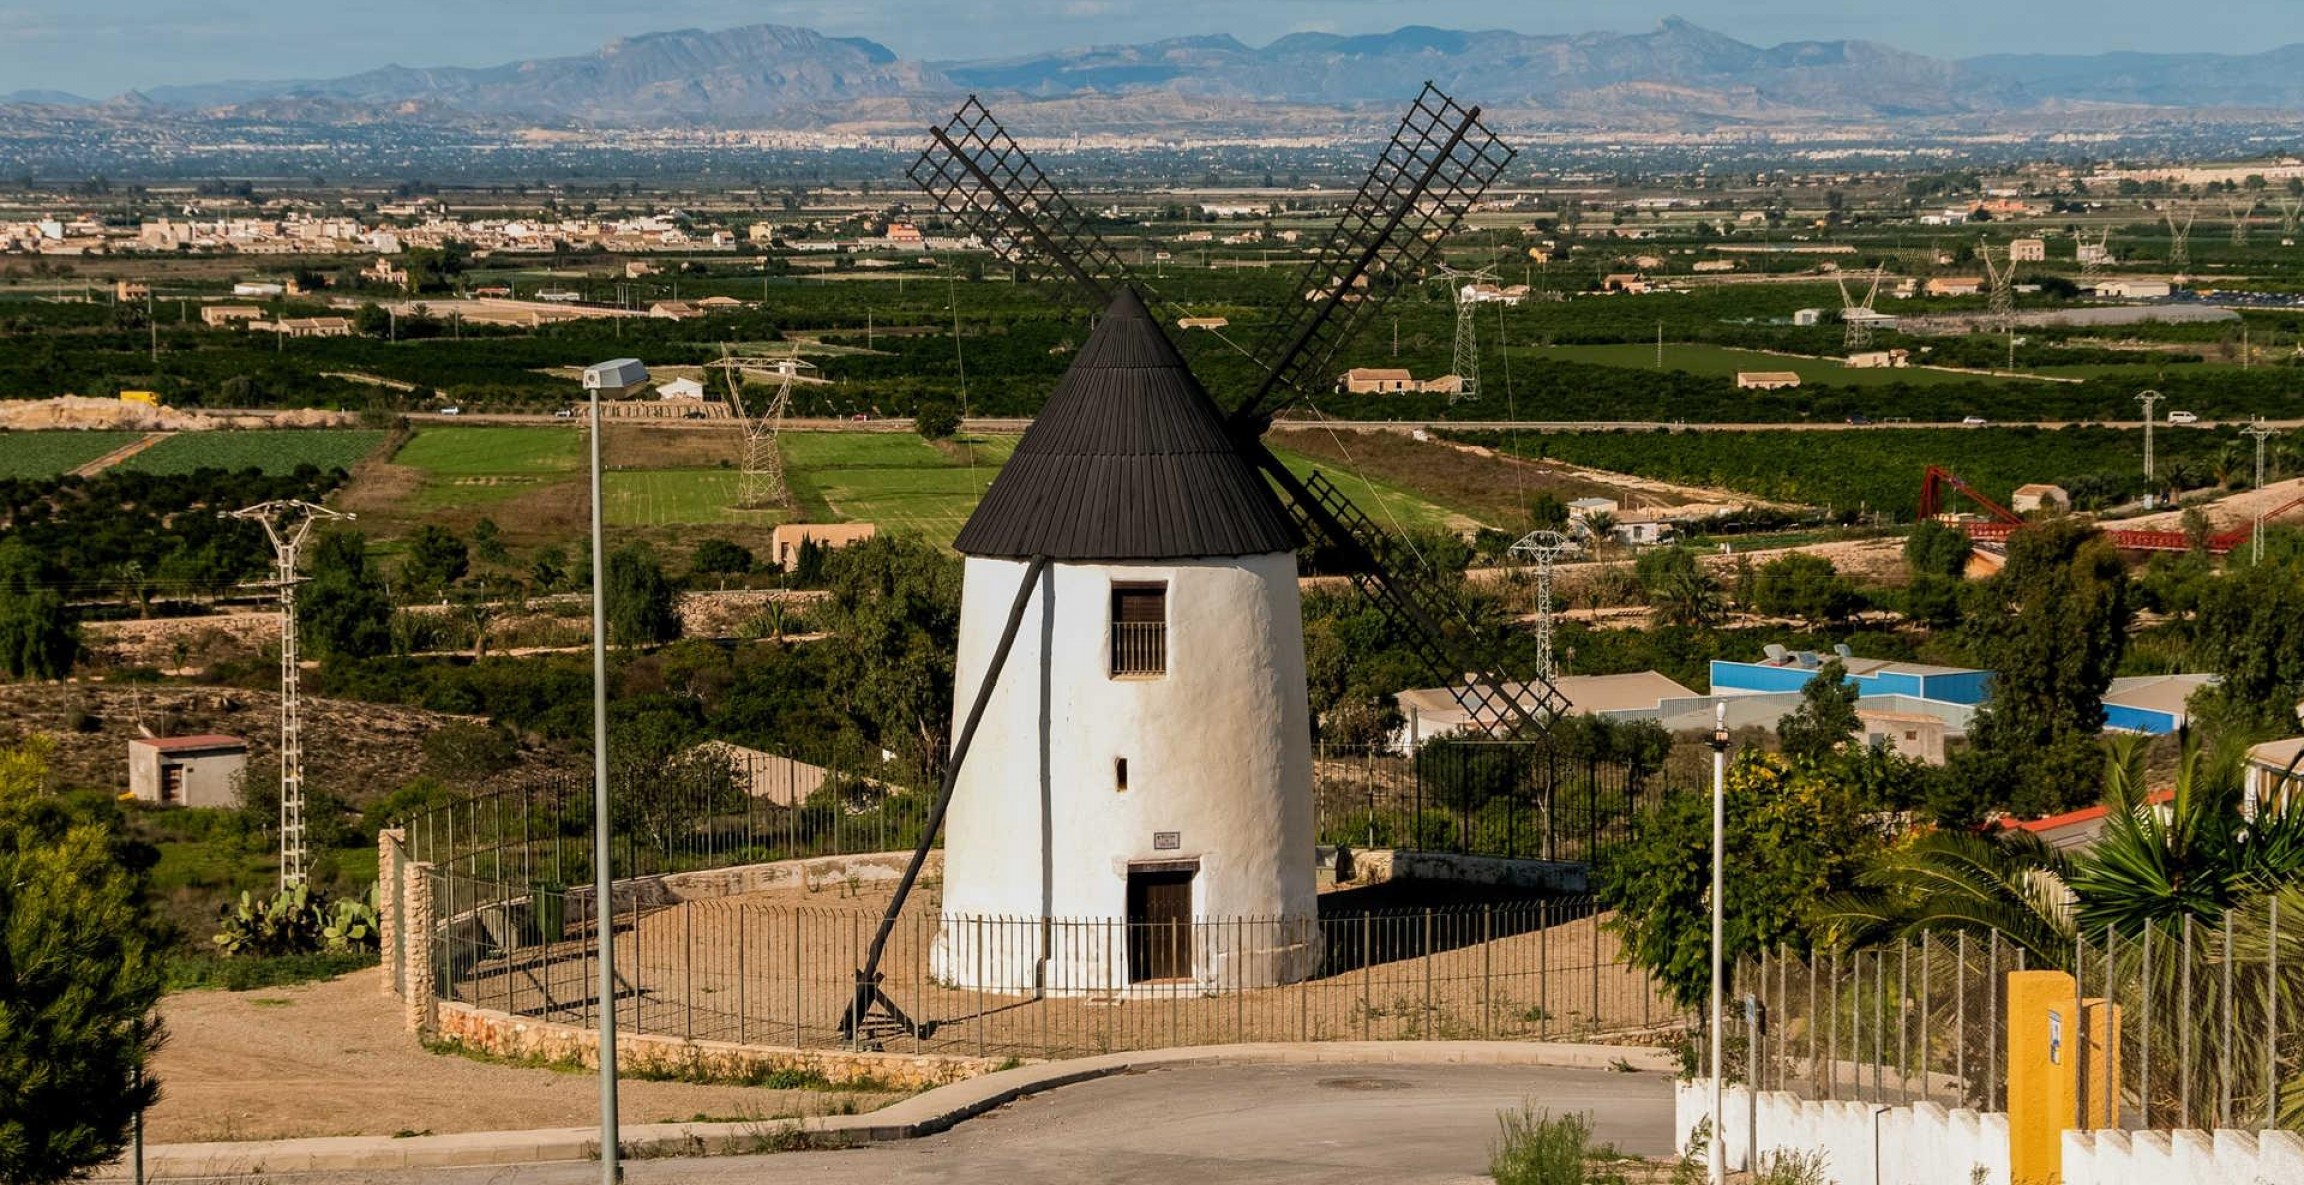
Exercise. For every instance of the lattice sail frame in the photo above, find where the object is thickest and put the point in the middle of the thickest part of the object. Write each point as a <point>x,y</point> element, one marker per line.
<point>979,176</point>
<point>1425,182</point>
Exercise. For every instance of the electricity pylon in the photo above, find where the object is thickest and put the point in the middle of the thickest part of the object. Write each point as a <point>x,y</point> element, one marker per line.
<point>1856,330</point>
<point>2241,208</point>
<point>760,480</point>
<point>1467,362</point>
<point>287,523</point>
<point>2003,277</point>
<point>1544,547</point>
<point>2149,399</point>
<point>2180,221</point>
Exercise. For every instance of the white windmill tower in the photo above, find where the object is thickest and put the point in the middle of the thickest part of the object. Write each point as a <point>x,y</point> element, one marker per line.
<point>1148,754</point>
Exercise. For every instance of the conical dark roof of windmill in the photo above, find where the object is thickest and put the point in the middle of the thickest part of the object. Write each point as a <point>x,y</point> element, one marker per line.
<point>1129,460</point>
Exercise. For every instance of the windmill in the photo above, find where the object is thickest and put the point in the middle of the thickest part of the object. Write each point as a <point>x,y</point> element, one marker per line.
<point>2180,219</point>
<point>1856,319</point>
<point>1463,286</point>
<point>760,479</point>
<point>1151,535</point>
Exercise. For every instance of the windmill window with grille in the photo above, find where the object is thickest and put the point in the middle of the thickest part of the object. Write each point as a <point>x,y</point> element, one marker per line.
<point>1139,630</point>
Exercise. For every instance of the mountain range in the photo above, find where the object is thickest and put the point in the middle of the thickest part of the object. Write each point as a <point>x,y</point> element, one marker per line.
<point>1678,74</point>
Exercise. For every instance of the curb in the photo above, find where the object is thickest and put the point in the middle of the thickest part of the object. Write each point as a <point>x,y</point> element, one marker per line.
<point>921,1115</point>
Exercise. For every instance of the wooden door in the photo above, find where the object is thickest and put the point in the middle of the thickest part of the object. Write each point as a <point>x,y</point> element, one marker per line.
<point>1159,924</point>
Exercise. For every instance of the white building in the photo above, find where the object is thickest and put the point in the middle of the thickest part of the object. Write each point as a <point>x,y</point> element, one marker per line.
<point>2028,251</point>
<point>681,389</point>
<point>195,771</point>
<point>1145,751</point>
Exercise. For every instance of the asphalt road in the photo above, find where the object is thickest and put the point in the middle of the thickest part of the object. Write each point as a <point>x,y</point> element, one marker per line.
<point>1256,1125</point>
<point>1014,425</point>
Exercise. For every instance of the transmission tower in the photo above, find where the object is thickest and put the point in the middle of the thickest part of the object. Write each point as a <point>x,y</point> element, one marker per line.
<point>2241,208</point>
<point>1855,319</point>
<point>1544,547</point>
<point>2291,210</point>
<point>2180,221</point>
<point>1467,364</point>
<point>2003,276</point>
<point>2262,432</point>
<point>2093,255</point>
<point>760,479</point>
<point>287,524</point>
<point>2149,399</point>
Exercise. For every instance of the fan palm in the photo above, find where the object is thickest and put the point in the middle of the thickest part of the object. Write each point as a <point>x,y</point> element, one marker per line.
<point>2010,884</point>
<point>2193,855</point>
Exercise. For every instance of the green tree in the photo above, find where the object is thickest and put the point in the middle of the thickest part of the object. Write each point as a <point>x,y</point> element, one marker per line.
<point>1797,584</point>
<point>936,420</point>
<point>2250,632</point>
<point>1796,833</point>
<point>1826,717</point>
<point>342,611</point>
<point>719,557</point>
<point>641,601</point>
<point>2055,645</point>
<point>895,608</point>
<point>1936,549</point>
<point>80,976</point>
<point>39,632</point>
<point>436,559</point>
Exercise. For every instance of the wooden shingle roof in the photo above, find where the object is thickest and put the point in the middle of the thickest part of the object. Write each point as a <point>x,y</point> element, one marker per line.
<point>1129,460</point>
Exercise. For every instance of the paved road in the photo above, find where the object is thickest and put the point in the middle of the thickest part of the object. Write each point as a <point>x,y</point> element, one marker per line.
<point>1255,1125</point>
<point>1014,425</point>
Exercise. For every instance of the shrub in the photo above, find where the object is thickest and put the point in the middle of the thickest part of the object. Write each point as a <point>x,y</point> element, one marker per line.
<point>1535,1148</point>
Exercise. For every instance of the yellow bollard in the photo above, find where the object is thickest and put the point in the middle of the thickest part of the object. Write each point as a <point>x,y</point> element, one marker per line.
<point>2044,1057</point>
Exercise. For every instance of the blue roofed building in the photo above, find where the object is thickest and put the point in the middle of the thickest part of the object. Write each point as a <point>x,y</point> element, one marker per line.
<point>1786,670</point>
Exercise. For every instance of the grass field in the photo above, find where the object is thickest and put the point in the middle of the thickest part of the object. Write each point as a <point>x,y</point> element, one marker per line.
<point>678,497</point>
<point>34,455</point>
<point>897,480</point>
<point>1724,362</point>
<point>493,451</point>
<point>275,451</point>
<point>1391,506</point>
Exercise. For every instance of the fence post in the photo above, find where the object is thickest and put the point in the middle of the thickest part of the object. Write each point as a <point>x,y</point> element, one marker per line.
<point>1428,1004</point>
<point>390,851</point>
<point>2186,1024</point>
<point>1367,969</point>
<point>799,932</point>
<point>2144,1072</point>
<point>1487,970</point>
<point>1832,1045</point>
<point>743,1018</point>
<point>417,911</point>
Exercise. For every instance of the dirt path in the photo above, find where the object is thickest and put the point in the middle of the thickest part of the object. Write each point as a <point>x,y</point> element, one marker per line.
<point>331,1059</point>
<point>120,454</point>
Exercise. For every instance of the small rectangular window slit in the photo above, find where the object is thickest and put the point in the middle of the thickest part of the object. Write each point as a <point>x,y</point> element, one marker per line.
<point>1119,773</point>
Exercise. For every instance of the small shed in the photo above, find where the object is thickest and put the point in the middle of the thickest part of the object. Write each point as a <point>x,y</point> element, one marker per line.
<point>198,771</point>
<point>2040,497</point>
<point>1767,380</point>
<point>784,544</point>
<point>681,388</point>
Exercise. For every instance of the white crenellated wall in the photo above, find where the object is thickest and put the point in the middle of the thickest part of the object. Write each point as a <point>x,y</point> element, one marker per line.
<point>1926,1144</point>
<point>1218,751</point>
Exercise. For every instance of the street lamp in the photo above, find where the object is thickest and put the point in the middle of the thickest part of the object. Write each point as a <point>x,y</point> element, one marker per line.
<point>1719,1158</point>
<point>616,378</point>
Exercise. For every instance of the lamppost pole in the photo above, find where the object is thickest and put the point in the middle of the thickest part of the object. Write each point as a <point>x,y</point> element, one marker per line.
<point>621,374</point>
<point>1718,1160</point>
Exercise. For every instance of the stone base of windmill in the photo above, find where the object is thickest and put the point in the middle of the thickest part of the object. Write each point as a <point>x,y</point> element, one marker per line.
<point>1117,959</point>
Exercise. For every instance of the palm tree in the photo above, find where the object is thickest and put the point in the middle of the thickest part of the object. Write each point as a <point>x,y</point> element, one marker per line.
<point>1946,882</point>
<point>2193,855</point>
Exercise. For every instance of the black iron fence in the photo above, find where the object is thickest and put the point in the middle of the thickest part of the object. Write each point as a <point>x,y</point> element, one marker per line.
<point>1511,799</point>
<point>760,972</point>
<point>717,807</point>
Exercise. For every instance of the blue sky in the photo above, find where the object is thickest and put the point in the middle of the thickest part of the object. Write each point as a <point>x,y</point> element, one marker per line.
<point>100,47</point>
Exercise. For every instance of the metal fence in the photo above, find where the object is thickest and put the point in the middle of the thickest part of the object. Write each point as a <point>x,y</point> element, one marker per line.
<point>714,808</point>
<point>2205,1021</point>
<point>747,971</point>
<point>1512,799</point>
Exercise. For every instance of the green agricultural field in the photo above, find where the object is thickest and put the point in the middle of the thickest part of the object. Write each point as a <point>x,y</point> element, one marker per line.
<point>1724,362</point>
<point>493,451</point>
<point>1880,469</point>
<point>483,465</point>
<point>897,480</point>
<point>1391,506</point>
<point>273,451</point>
<point>677,497</point>
<point>35,455</point>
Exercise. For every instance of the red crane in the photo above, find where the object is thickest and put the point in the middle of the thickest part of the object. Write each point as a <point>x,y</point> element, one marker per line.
<point>2005,521</point>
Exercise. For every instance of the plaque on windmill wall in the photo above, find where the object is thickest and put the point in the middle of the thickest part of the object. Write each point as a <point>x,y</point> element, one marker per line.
<point>1167,841</point>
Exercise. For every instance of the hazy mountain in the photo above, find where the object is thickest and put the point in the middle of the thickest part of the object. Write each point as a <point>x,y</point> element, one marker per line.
<point>744,75</point>
<point>1677,73</point>
<point>46,98</point>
